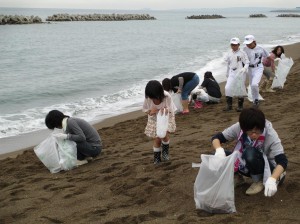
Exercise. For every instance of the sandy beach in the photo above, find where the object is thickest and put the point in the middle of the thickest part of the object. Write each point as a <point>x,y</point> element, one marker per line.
<point>123,186</point>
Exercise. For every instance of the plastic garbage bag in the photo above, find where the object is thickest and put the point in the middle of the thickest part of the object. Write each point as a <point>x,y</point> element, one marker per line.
<point>201,94</point>
<point>250,95</point>
<point>67,151</point>
<point>162,123</point>
<point>57,154</point>
<point>176,97</point>
<point>238,85</point>
<point>214,185</point>
<point>282,70</point>
<point>47,152</point>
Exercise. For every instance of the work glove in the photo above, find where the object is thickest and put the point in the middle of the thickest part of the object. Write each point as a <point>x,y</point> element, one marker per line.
<point>244,70</point>
<point>61,136</point>
<point>220,152</point>
<point>215,161</point>
<point>270,187</point>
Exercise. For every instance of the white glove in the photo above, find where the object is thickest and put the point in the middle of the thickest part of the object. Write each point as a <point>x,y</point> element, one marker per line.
<point>270,187</point>
<point>220,152</point>
<point>244,70</point>
<point>60,136</point>
<point>277,59</point>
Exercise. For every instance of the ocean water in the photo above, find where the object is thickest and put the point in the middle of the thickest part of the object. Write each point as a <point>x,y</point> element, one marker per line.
<point>96,70</point>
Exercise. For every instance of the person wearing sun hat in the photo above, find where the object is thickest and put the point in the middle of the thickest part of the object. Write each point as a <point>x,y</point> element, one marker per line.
<point>255,54</point>
<point>237,63</point>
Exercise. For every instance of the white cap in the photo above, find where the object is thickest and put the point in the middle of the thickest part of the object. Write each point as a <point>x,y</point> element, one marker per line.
<point>235,40</point>
<point>249,39</point>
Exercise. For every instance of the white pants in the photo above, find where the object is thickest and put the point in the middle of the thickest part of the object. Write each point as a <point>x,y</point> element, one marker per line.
<point>255,75</point>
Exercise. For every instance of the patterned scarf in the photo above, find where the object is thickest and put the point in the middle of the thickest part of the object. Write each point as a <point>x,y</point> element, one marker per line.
<point>240,163</point>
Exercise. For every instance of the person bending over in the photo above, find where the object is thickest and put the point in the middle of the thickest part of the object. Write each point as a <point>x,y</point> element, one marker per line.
<point>87,139</point>
<point>182,83</point>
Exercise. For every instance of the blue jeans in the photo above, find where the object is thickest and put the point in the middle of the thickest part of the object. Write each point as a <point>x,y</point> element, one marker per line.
<point>85,149</point>
<point>254,162</point>
<point>189,86</point>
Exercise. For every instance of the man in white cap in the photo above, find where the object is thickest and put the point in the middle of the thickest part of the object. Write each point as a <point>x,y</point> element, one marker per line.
<point>237,64</point>
<point>255,54</point>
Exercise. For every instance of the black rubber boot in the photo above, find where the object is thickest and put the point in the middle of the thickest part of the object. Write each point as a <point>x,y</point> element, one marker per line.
<point>256,103</point>
<point>229,104</point>
<point>165,152</point>
<point>157,158</point>
<point>240,104</point>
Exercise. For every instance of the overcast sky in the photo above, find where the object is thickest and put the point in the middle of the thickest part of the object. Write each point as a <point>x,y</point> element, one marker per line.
<point>152,4</point>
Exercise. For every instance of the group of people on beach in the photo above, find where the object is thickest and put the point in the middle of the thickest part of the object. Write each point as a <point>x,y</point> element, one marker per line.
<point>258,144</point>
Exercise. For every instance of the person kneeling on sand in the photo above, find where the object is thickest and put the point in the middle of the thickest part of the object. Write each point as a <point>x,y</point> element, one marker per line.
<point>257,142</point>
<point>211,95</point>
<point>87,139</point>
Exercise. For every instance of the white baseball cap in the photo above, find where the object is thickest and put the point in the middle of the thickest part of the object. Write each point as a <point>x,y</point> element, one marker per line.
<point>249,39</point>
<point>235,40</point>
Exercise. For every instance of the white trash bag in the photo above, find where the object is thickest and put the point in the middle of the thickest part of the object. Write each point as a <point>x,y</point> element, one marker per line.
<point>176,97</point>
<point>250,95</point>
<point>238,86</point>
<point>67,151</point>
<point>162,123</point>
<point>214,185</point>
<point>47,152</point>
<point>282,70</point>
<point>56,154</point>
<point>201,94</point>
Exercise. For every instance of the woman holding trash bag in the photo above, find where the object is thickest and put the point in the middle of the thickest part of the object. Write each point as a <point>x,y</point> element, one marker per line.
<point>182,83</point>
<point>269,68</point>
<point>78,130</point>
<point>158,101</point>
<point>260,152</point>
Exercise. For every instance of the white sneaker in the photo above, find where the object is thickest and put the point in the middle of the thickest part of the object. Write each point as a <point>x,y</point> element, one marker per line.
<point>255,188</point>
<point>81,162</point>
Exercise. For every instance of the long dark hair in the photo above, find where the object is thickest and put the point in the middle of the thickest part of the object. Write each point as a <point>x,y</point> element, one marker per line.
<point>275,51</point>
<point>154,90</point>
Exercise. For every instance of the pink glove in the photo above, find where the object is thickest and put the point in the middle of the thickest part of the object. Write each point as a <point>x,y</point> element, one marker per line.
<point>270,187</point>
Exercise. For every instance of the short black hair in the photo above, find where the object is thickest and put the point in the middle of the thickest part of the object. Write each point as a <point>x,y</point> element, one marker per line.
<point>208,75</point>
<point>154,90</point>
<point>252,118</point>
<point>166,83</point>
<point>54,119</point>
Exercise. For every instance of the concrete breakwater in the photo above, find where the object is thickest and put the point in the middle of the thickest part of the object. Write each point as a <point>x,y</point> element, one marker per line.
<point>289,15</point>
<point>257,16</point>
<point>214,16</point>
<point>99,17</point>
<point>16,19</point>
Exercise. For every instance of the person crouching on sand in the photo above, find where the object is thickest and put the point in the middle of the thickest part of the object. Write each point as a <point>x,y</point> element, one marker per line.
<point>87,139</point>
<point>156,99</point>
<point>257,142</point>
